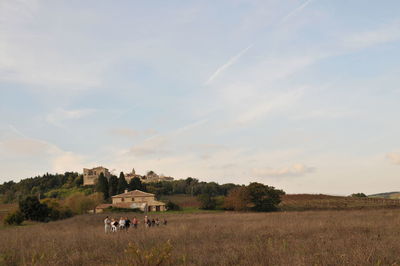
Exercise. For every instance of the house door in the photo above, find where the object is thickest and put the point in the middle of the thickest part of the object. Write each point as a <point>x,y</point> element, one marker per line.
<point>157,208</point>
<point>149,208</point>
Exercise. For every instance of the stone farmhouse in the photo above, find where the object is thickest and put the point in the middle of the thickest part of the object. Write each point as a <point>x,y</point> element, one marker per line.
<point>90,175</point>
<point>134,199</point>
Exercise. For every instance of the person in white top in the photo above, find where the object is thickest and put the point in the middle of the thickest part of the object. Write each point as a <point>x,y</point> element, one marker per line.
<point>114,224</point>
<point>107,225</point>
<point>121,223</point>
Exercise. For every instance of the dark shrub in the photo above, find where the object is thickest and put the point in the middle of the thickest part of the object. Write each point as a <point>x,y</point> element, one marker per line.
<point>358,195</point>
<point>207,202</point>
<point>14,218</point>
<point>33,210</point>
<point>171,206</point>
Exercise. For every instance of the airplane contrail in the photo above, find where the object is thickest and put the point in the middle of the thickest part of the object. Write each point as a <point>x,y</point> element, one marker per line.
<point>296,10</point>
<point>227,65</point>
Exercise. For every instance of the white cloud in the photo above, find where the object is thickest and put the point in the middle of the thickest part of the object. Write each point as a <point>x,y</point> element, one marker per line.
<point>125,132</point>
<point>393,157</point>
<point>151,146</point>
<point>61,115</point>
<point>42,56</point>
<point>384,34</point>
<point>42,154</point>
<point>68,161</point>
<point>293,170</point>
<point>326,114</point>
<point>26,146</point>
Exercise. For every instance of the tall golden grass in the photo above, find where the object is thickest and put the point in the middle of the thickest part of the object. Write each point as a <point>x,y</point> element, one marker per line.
<point>356,237</point>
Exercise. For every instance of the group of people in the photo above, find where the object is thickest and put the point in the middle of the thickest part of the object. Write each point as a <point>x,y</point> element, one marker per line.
<point>124,223</point>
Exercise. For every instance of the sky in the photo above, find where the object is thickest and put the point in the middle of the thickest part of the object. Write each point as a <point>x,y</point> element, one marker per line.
<point>302,95</point>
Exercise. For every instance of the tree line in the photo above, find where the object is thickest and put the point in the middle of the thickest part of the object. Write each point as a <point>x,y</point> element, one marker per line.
<point>79,198</point>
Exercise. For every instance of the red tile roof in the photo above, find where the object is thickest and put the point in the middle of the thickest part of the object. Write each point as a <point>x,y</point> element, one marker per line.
<point>133,193</point>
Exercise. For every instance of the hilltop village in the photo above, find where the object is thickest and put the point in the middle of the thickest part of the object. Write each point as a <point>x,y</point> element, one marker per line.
<point>90,176</point>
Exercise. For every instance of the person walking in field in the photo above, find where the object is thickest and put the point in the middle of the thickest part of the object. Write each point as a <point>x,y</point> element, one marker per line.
<point>121,223</point>
<point>165,221</point>
<point>135,222</point>
<point>114,224</point>
<point>157,222</point>
<point>107,225</point>
<point>127,223</point>
<point>146,221</point>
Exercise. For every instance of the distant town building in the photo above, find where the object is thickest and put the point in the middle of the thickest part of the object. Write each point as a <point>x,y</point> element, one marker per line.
<point>90,176</point>
<point>132,175</point>
<point>153,177</point>
<point>135,199</point>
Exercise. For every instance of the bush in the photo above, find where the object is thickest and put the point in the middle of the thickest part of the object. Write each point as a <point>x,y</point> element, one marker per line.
<point>79,203</point>
<point>254,197</point>
<point>358,195</point>
<point>171,206</point>
<point>264,198</point>
<point>207,202</point>
<point>33,210</point>
<point>14,218</point>
<point>238,199</point>
<point>57,211</point>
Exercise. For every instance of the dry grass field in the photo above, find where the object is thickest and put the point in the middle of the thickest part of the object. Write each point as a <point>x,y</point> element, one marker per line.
<point>356,237</point>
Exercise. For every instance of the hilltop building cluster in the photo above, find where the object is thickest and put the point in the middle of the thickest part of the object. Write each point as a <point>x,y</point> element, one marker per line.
<point>90,176</point>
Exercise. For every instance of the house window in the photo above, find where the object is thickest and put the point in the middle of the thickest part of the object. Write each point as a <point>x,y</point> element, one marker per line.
<point>122,199</point>
<point>133,199</point>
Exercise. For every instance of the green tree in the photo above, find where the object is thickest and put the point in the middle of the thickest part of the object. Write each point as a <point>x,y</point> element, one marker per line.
<point>263,197</point>
<point>207,202</point>
<point>79,181</point>
<point>135,183</point>
<point>102,186</point>
<point>238,199</point>
<point>171,206</point>
<point>358,195</point>
<point>113,185</point>
<point>33,210</point>
<point>122,184</point>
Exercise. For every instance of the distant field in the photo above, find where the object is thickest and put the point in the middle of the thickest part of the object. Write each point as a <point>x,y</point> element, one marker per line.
<point>301,202</point>
<point>387,195</point>
<point>185,201</point>
<point>357,237</point>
